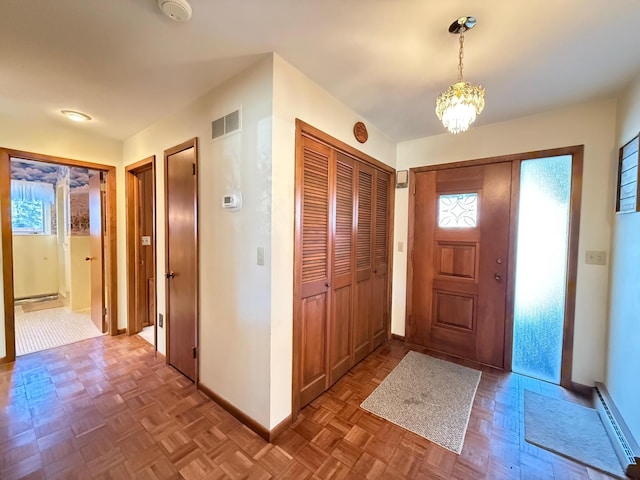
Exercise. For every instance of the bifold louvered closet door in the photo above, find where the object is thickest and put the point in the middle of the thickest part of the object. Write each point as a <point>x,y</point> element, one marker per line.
<point>342,252</point>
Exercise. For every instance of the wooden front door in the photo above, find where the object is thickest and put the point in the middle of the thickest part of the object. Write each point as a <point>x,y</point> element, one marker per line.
<point>182,257</point>
<point>460,261</point>
<point>96,249</point>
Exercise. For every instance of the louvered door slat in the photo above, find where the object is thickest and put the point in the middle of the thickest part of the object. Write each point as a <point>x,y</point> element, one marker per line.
<point>365,192</point>
<point>343,242</point>
<point>315,216</point>
<point>382,215</point>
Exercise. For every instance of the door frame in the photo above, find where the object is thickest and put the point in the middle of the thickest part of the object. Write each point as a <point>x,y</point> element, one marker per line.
<point>109,264</point>
<point>132,197</point>
<point>167,153</point>
<point>577,154</point>
<point>303,129</point>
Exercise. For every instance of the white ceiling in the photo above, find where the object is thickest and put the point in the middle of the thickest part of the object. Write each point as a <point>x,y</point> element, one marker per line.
<point>127,65</point>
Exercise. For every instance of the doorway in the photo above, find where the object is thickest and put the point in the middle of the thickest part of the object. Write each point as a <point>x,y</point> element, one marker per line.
<point>468,266</point>
<point>181,261</point>
<point>141,249</point>
<point>59,256</point>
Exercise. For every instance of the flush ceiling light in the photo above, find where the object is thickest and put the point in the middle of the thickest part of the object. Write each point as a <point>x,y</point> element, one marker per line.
<point>458,106</point>
<point>75,116</point>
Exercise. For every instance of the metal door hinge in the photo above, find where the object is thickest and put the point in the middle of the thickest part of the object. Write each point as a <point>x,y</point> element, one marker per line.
<point>193,168</point>
<point>414,189</point>
<point>104,312</point>
<point>103,187</point>
<point>412,255</point>
<point>195,352</point>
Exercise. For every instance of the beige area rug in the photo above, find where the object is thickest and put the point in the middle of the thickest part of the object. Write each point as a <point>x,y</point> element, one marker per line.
<point>44,305</point>
<point>428,396</point>
<point>570,430</point>
<point>44,329</point>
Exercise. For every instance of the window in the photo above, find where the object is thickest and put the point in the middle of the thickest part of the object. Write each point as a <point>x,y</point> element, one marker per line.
<point>458,210</point>
<point>31,205</point>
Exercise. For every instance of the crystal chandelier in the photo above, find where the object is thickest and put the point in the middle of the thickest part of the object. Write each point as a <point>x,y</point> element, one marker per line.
<point>458,106</point>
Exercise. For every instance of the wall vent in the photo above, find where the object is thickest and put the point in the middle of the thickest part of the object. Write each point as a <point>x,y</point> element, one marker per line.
<point>226,125</point>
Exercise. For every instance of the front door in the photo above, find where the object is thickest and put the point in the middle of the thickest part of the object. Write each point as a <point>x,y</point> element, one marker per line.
<point>460,259</point>
<point>182,257</point>
<point>97,249</point>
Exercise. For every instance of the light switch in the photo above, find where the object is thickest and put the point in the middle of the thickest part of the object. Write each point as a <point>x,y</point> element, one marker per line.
<point>400,246</point>
<point>260,255</point>
<point>596,257</point>
<point>146,240</point>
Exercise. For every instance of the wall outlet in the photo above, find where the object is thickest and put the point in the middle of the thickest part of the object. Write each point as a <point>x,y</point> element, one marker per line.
<point>595,257</point>
<point>401,246</point>
<point>260,255</point>
<point>160,320</point>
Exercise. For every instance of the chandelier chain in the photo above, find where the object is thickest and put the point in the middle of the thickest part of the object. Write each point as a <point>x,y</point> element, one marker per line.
<point>460,56</point>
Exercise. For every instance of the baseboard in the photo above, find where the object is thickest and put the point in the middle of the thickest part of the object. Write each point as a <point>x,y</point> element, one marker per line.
<point>623,442</point>
<point>5,360</point>
<point>581,389</point>
<point>268,435</point>
<point>121,331</point>
<point>397,337</point>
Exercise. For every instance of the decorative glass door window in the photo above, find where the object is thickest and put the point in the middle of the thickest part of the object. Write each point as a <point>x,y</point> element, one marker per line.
<point>458,210</point>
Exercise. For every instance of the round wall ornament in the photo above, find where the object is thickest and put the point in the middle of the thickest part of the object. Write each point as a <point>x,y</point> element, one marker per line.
<point>360,132</point>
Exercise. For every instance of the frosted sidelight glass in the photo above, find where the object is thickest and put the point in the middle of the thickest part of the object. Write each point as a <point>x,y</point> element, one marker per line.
<point>541,267</point>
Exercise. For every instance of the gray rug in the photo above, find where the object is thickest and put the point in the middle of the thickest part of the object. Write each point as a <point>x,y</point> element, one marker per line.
<point>570,430</point>
<point>429,397</point>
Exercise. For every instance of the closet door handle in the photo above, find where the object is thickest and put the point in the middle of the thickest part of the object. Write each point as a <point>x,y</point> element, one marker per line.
<point>327,284</point>
<point>170,275</point>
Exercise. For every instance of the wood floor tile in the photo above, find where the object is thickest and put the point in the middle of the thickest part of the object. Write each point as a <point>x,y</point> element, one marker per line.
<point>107,408</point>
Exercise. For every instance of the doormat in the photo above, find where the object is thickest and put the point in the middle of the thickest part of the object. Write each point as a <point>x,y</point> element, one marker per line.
<point>429,397</point>
<point>570,430</point>
<point>45,305</point>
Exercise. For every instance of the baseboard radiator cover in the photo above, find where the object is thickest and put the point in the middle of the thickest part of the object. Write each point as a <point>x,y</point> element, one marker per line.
<point>623,442</point>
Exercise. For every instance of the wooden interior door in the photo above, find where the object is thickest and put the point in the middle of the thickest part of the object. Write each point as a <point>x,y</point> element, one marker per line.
<point>342,267</point>
<point>182,257</point>
<point>314,270</point>
<point>380,307</point>
<point>96,249</point>
<point>460,261</point>
<point>144,252</point>
<point>364,262</point>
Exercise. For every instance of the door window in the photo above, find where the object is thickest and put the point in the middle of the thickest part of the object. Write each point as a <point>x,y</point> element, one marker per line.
<point>458,210</point>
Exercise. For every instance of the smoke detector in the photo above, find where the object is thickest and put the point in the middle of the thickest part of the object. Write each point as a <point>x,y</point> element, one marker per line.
<point>178,10</point>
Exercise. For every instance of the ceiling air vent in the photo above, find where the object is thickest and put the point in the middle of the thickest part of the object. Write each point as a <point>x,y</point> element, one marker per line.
<point>225,125</point>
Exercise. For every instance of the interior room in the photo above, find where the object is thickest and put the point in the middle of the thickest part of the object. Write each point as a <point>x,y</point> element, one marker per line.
<point>362,239</point>
<point>50,236</point>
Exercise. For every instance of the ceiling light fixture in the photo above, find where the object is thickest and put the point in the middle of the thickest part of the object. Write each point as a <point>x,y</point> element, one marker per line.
<point>75,116</point>
<point>458,106</point>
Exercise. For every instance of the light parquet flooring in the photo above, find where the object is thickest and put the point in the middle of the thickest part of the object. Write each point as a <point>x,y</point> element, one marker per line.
<point>107,408</point>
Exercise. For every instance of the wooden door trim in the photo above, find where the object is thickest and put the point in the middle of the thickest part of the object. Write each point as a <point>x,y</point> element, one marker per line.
<point>132,206</point>
<point>577,154</point>
<point>167,153</point>
<point>110,263</point>
<point>303,129</point>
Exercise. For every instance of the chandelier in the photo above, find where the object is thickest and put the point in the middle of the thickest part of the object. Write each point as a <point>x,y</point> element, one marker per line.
<point>458,106</point>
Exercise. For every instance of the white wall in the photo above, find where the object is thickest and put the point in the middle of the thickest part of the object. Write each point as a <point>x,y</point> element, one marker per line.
<point>623,362</point>
<point>35,265</point>
<point>591,124</point>
<point>296,96</point>
<point>235,293</point>
<point>57,139</point>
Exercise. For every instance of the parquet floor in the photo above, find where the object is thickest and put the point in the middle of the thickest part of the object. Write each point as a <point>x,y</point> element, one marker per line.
<point>106,408</point>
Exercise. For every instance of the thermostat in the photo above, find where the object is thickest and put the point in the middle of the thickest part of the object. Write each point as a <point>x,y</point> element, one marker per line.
<point>232,201</point>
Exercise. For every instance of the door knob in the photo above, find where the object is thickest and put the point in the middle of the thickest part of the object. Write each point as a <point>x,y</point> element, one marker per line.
<point>498,277</point>
<point>327,284</point>
<point>170,275</point>
<point>88,259</point>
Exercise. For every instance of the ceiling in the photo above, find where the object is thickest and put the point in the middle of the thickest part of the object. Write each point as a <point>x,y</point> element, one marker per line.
<point>127,65</point>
